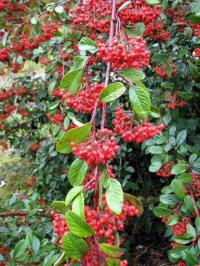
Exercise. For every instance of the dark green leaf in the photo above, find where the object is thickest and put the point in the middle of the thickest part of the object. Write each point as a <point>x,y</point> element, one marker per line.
<point>114,196</point>
<point>72,80</point>
<point>72,194</point>
<point>112,92</point>
<point>78,226</point>
<point>74,246</point>
<point>77,172</point>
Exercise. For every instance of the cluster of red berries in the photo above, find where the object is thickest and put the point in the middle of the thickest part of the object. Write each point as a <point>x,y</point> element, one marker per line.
<point>181,263</point>
<point>196,52</point>
<point>172,102</point>
<point>9,5</point>
<point>4,54</point>
<point>195,185</point>
<point>196,28</point>
<point>181,227</point>
<point>156,31</point>
<point>128,53</point>
<point>85,100</point>
<point>34,146</point>
<point>59,225</point>
<point>165,171</point>
<point>129,133</point>
<point>93,15</point>
<point>23,112</point>
<point>4,250</point>
<point>106,223</point>
<point>98,149</point>
<point>160,71</point>
<point>139,11</point>
<point>29,42</point>
<point>7,111</point>
<point>56,118</point>
<point>90,179</point>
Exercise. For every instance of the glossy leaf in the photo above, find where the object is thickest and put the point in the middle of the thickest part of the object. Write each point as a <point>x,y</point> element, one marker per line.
<point>72,194</point>
<point>112,92</point>
<point>114,196</point>
<point>77,172</point>
<point>77,225</point>
<point>74,246</point>
<point>72,80</point>
<point>140,101</point>
<point>76,135</point>
<point>111,251</point>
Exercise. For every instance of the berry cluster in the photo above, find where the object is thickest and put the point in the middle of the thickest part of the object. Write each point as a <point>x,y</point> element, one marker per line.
<point>106,223</point>
<point>128,53</point>
<point>138,11</point>
<point>59,225</point>
<point>196,52</point>
<point>129,133</point>
<point>180,228</point>
<point>160,71</point>
<point>92,15</point>
<point>56,118</point>
<point>156,31</point>
<point>165,171</point>
<point>85,100</point>
<point>98,149</point>
<point>181,263</point>
<point>34,146</point>
<point>172,102</point>
<point>195,185</point>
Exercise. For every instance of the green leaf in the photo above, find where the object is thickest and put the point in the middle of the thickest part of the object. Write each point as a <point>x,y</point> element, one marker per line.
<point>185,178</point>
<point>189,203</point>
<point>86,44</point>
<point>59,206</point>
<point>155,112</point>
<point>169,199</point>
<point>111,251</point>
<point>178,168</point>
<point>114,196</point>
<point>72,194</point>
<point>156,149</point>
<point>184,239</point>
<point>139,29</point>
<point>78,226</point>
<point>155,166</point>
<point>181,137</point>
<point>190,259</point>
<point>79,61</point>
<point>61,259</point>
<point>125,4</point>
<point>161,212</point>
<point>134,201</point>
<point>35,244</point>
<point>197,223</point>
<point>178,189</point>
<point>19,250</point>
<point>140,101</point>
<point>78,205</point>
<point>59,9</point>
<point>194,19</point>
<point>74,246</point>
<point>173,220</point>
<point>76,135</point>
<point>77,172</point>
<point>132,74</point>
<point>152,2</point>
<point>72,80</point>
<point>191,231</point>
<point>112,262</point>
<point>112,92</point>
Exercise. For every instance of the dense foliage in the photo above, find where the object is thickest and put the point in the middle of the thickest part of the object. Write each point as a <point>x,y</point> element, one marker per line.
<point>102,98</point>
